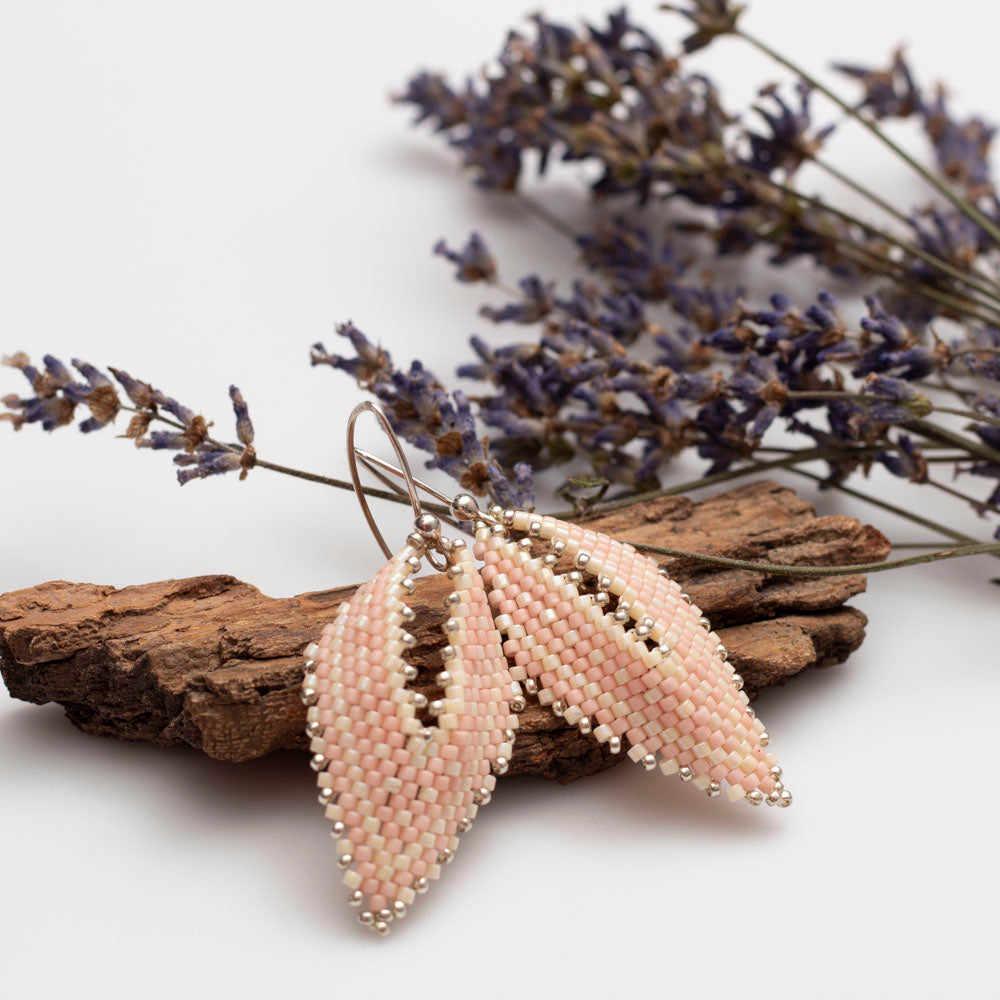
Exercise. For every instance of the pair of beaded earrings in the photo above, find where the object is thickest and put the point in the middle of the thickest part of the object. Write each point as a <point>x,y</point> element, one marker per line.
<point>613,646</point>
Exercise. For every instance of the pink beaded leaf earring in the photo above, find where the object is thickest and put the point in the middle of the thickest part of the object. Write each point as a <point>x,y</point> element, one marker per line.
<point>400,787</point>
<point>616,648</point>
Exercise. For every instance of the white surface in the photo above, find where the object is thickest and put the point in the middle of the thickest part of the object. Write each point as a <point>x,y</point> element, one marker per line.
<point>196,192</point>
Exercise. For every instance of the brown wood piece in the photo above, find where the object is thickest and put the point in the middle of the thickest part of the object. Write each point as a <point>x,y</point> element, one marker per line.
<point>214,664</point>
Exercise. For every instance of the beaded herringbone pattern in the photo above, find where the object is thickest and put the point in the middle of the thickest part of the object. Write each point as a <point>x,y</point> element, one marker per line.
<point>400,790</point>
<point>653,677</point>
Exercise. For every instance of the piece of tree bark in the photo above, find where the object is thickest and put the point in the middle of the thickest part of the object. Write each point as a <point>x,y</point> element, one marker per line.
<point>212,663</point>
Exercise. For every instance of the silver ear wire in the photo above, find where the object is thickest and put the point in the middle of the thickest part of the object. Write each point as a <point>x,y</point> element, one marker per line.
<point>426,526</point>
<point>462,507</point>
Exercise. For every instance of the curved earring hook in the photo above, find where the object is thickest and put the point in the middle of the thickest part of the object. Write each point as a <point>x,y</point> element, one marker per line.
<point>463,506</point>
<point>404,469</point>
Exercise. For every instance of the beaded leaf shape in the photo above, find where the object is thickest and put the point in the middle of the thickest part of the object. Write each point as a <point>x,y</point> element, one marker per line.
<point>644,671</point>
<point>400,790</point>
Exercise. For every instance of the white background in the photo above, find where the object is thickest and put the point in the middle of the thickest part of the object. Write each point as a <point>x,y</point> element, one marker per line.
<point>196,192</point>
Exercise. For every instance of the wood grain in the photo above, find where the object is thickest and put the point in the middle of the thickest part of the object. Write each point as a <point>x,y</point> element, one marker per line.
<point>212,663</point>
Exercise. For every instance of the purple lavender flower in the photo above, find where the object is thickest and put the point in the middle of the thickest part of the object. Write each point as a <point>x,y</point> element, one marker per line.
<point>631,259</point>
<point>961,147</point>
<point>535,304</point>
<point>474,262</point>
<point>790,141</point>
<point>888,93</point>
<point>711,18</point>
<point>58,394</point>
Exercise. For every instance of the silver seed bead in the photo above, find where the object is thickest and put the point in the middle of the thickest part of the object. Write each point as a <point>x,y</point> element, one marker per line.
<point>452,625</point>
<point>531,685</point>
<point>643,631</point>
<point>764,738</point>
<point>508,518</point>
<point>416,541</point>
<point>356,898</point>
<point>756,797</point>
<point>428,526</point>
<point>410,672</point>
<point>309,696</point>
<point>498,529</point>
<point>535,529</point>
<point>367,918</point>
<point>345,860</point>
<point>381,927</point>
<point>412,564</point>
<point>436,707</point>
<point>663,572</point>
<point>582,558</point>
<point>496,511</point>
<point>621,616</point>
<point>453,572</point>
<point>723,652</point>
<point>772,799</point>
<point>525,544</point>
<point>738,681</point>
<point>407,614</point>
<point>558,707</point>
<point>779,786</point>
<point>714,790</point>
<point>549,560</point>
<point>446,856</point>
<point>601,598</point>
<point>464,825</point>
<point>704,622</point>
<point>318,762</point>
<point>399,909</point>
<point>313,729</point>
<point>421,885</point>
<point>558,547</point>
<point>464,507</point>
<point>615,744</point>
<point>426,733</point>
<point>685,597</point>
<point>385,914</point>
<point>518,704</point>
<point>443,679</point>
<point>584,725</point>
<point>501,765</point>
<point>665,648</point>
<point>784,799</point>
<point>457,544</point>
<point>326,796</point>
<point>685,773</point>
<point>408,640</point>
<point>604,583</point>
<point>409,586</point>
<point>449,653</point>
<point>419,699</point>
<point>310,681</point>
<point>453,598</point>
<point>649,761</point>
<point>776,772</point>
<point>337,830</point>
<point>575,577</point>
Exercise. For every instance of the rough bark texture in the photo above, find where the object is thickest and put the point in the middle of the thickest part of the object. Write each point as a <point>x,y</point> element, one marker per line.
<point>212,663</point>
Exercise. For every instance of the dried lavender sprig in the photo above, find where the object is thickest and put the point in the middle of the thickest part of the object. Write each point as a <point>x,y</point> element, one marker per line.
<point>964,206</point>
<point>987,288</point>
<point>189,420</point>
<point>776,569</point>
